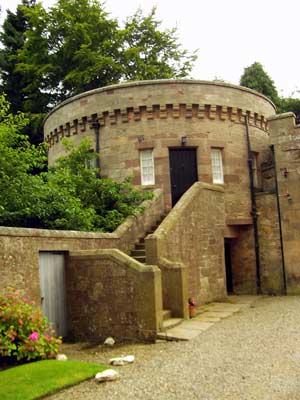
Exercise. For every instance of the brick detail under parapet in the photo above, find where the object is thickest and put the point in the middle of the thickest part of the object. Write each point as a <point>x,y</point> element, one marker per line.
<point>150,112</point>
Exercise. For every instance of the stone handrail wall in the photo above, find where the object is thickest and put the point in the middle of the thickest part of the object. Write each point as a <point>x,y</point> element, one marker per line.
<point>111,294</point>
<point>188,246</point>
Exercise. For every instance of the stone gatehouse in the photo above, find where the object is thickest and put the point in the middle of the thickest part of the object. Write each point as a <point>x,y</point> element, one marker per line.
<point>227,169</point>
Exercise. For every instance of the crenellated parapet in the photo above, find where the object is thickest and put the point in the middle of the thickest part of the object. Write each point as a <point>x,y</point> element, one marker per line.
<point>131,115</point>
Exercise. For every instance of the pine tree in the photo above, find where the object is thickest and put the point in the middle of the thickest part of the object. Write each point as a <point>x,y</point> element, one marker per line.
<point>255,77</point>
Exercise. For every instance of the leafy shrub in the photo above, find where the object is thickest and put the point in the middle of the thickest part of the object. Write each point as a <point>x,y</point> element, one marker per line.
<point>70,195</point>
<point>24,333</point>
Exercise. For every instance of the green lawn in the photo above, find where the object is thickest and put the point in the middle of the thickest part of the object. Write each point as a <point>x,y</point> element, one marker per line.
<point>30,381</point>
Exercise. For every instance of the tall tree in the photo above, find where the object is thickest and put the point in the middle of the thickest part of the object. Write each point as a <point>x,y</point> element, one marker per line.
<point>75,46</point>
<point>12,39</point>
<point>81,48</point>
<point>22,93</point>
<point>84,45</point>
<point>151,53</point>
<point>255,77</point>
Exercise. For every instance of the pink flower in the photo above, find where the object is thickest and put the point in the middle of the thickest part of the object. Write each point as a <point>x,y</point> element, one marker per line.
<point>34,336</point>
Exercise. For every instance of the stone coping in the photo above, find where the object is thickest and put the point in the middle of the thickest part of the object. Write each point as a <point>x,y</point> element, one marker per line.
<point>282,116</point>
<point>114,255</point>
<point>157,82</point>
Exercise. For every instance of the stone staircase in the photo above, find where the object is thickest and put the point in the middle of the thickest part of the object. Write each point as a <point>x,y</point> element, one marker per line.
<point>139,254</point>
<point>139,251</point>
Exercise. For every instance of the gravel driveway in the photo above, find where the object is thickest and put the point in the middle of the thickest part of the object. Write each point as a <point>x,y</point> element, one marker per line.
<point>254,354</point>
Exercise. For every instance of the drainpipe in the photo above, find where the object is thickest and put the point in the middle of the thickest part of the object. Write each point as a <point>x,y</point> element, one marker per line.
<point>253,208</point>
<point>280,224</point>
<point>96,127</point>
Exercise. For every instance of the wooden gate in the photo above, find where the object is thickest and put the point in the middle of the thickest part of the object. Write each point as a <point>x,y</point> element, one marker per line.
<point>52,282</point>
<point>183,171</point>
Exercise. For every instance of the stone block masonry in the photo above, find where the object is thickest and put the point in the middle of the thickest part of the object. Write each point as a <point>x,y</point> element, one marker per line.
<point>19,266</point>
<point>111,294</point>
<point>285,138</point>
<point>188,247</point>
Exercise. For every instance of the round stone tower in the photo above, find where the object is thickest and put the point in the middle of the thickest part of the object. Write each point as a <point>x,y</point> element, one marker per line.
<point>168,134</point>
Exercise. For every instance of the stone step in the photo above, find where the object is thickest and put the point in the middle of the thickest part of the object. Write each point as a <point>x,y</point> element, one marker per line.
<point>141,259</point>
<point>167,314</point>
<point>170,323</point>
<point>140,252</point>
<point>139,246</point>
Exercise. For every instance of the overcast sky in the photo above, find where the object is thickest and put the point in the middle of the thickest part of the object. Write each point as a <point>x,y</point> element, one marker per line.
<point>230,34</point>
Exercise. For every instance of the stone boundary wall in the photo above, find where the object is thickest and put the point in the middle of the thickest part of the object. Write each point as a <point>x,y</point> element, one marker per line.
<point>111,294</point>
<point>188,246</point>
<point>20,247</point>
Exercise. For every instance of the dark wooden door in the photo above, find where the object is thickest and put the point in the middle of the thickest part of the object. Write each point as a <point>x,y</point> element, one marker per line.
<point>183,171</point>
<point>229,284</point>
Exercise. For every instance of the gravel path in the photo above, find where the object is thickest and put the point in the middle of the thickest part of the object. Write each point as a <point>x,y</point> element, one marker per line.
<point>254,354</point>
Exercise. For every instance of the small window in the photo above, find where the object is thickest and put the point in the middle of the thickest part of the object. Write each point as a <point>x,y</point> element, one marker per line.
<point>147,167</point>
<point>217,166</point>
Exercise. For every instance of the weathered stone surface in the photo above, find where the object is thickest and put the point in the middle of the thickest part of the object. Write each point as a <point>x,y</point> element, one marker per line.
<point>189,248</point>
<point>285,136</point>
<point>127,304</point>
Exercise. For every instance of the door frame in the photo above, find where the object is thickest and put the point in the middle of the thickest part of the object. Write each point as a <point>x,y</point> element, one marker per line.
<point>182,148</point>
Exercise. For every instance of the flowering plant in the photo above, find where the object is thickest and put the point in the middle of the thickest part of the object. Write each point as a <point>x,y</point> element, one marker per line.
<point>24,333</point>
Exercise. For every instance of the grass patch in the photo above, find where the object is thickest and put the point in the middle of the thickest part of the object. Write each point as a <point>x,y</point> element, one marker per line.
<point>33,380</point>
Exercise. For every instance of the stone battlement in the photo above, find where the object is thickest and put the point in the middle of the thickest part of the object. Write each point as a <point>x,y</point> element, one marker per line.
<point>156,111</point>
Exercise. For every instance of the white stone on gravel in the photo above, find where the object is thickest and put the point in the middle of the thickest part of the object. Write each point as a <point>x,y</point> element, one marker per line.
<point>107,375</point>
<point>61,357</point>
<point>121,360</point>
<point>109,341</point>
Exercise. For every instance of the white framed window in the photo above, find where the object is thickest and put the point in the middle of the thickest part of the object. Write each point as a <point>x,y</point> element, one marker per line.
<point>217,166</point>
<point>147,167</point>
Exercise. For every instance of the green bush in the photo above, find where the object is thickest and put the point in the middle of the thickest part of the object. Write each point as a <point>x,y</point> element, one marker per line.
<point>24,333</point>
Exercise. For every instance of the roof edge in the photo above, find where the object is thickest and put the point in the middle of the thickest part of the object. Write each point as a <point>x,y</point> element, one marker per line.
<point>156,82</point>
